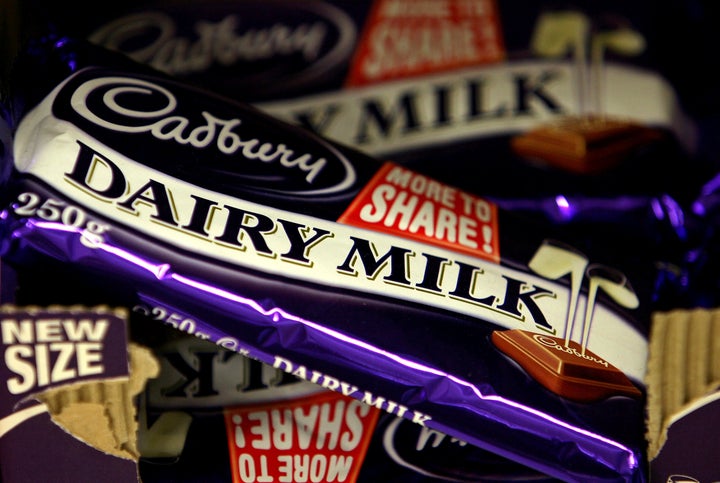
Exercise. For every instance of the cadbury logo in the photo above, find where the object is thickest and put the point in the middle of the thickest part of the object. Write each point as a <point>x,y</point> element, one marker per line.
<point>553,344</point>
<point>160,120</point>
<point>215,43</point>
<point>157,39</point>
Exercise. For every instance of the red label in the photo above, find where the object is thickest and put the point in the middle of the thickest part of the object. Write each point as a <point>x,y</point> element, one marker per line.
<point>407,204</point>
<point>319,438</point>
<point>405,38</point>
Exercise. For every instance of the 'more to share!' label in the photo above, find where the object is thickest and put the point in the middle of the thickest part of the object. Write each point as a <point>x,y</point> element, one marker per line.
<point>404,203</point>
<point>405,38</point>
<point>323,437</point>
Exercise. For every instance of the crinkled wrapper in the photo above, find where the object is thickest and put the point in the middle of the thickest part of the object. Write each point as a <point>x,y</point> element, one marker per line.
<point>200,212</point>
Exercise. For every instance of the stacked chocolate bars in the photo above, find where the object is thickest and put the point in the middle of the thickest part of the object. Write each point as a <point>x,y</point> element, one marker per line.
<point>438,240</point>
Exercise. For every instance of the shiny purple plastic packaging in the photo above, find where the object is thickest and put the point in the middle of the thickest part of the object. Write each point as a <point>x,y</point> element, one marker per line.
<point>200,382</point>
<point>210,216</point>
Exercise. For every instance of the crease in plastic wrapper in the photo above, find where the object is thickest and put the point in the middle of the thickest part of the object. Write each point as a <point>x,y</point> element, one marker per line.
<point>425,301</point>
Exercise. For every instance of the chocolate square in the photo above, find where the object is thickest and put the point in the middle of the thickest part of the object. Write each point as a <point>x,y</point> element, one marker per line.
<point>584,144</point>
<point>567,370</point>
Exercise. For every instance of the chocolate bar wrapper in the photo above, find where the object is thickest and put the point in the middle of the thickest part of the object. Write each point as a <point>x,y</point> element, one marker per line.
<point>482,103</point>
<point>580,101</point>
<point>225,414</point>
<point>267,50</point>
<point>428,302</point>
<point>431,111</point>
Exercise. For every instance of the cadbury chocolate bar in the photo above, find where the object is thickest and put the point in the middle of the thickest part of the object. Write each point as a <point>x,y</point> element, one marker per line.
<point>215,413</point>
<point>467,78</point>
<point>360,276</point>
<point>264,50</point>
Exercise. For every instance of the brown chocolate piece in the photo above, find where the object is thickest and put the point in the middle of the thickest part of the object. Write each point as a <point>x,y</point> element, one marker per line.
<point>584,144</point>
<point>565,370</point>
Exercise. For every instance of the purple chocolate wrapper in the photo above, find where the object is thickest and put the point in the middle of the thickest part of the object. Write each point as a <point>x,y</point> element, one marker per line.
<point>445,91</point>
<point>208,215</point>
<point>433,88</point>
<point>200,383</point>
